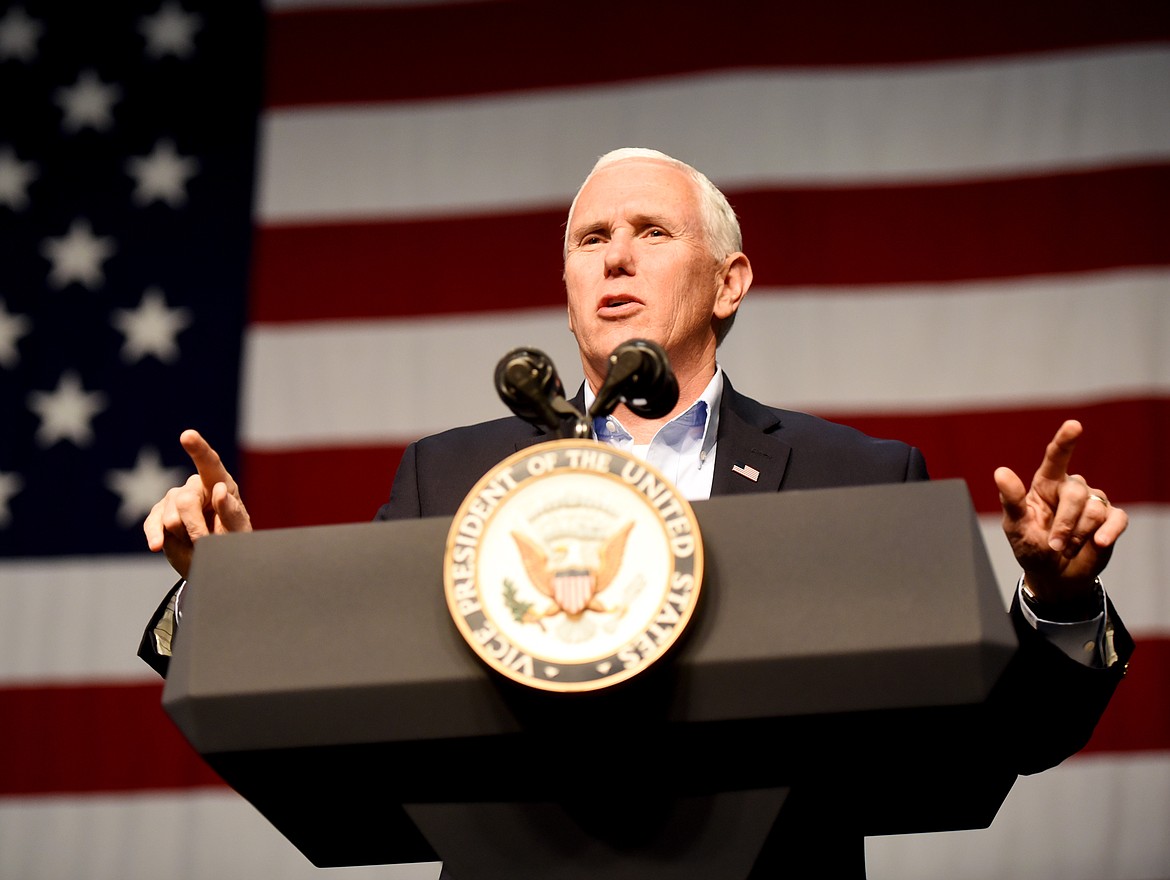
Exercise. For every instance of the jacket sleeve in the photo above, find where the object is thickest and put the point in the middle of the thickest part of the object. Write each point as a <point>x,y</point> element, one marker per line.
<point>1048,703</point>
<point>405,501</point>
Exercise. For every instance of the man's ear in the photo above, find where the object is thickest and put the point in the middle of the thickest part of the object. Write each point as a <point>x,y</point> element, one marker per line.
<point>736,279</point>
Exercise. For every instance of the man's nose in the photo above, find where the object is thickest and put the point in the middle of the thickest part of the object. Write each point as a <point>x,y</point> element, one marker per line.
<point>619,256</point>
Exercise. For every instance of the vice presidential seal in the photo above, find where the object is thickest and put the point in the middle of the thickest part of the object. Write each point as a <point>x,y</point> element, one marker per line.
<point>572,566</point>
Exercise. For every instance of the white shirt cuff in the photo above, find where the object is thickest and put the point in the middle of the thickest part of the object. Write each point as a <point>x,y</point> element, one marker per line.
<point>1086,641</point>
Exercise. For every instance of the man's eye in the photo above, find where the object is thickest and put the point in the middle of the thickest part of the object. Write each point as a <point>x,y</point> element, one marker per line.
<point>591,239</point>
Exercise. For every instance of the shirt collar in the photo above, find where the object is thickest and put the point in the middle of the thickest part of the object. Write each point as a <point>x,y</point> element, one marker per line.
<point>705,411</point>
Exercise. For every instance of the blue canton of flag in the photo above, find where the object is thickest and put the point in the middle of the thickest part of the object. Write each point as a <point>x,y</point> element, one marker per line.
<point>127,136</point>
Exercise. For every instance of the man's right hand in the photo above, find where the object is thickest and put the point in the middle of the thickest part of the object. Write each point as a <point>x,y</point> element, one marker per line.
<point>208,503</point>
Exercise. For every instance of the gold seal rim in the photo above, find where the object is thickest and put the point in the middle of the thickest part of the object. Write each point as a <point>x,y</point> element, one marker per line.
<point>604,680</point>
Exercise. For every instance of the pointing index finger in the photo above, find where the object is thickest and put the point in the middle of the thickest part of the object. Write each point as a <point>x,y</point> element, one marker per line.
<point>205,459</point>
<point>1059,452</point>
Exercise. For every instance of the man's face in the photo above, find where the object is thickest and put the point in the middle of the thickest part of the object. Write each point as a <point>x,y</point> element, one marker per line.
<point>639,265</point>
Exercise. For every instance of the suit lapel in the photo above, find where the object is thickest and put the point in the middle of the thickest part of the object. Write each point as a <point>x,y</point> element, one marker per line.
<point>748,458</point>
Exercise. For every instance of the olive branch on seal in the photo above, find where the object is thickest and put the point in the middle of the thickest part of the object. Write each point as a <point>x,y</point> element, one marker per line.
<point>519,608</point>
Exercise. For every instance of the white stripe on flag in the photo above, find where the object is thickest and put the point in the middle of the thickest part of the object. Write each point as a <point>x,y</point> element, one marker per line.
<point>1092,817</point>
<point>533,149</point>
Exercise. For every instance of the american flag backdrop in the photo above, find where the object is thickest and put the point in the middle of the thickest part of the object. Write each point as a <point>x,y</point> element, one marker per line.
<point>310,230</point>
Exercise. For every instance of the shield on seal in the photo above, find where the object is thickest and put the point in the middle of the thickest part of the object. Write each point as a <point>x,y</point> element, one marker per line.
<point>573,588</point>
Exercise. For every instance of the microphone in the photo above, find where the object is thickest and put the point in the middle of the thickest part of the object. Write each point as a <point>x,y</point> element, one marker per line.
<point>527,382</point>
<point>640,377</point>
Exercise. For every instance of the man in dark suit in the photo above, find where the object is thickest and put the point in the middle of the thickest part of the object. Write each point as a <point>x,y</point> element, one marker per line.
<point>653,251</point>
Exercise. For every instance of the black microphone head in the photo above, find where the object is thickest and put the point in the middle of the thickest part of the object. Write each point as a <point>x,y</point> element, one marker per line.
<point>652,391</point>
<point>640,377</point>
<point>527,382</point>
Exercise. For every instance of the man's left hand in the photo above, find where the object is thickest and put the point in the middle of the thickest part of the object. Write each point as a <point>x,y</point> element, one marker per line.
<point>1061,529</point>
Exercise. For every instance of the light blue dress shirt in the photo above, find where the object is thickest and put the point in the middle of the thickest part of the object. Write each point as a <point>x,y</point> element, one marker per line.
<point>683,450</point>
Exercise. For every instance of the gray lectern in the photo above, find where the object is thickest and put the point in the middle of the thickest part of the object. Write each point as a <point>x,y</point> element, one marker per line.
<point>846,642</point>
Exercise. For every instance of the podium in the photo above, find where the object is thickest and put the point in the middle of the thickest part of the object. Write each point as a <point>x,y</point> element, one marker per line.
<point>846,643</point>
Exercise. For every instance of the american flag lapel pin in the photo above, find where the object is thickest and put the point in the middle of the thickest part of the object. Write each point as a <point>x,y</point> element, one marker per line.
<point>746,470</point>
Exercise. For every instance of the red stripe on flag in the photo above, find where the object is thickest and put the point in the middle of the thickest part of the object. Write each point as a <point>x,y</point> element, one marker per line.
<point>381,269</point>
<point>341,56</point>
<point>827,236</point>
<point>971,445</point>
<point>353,482</point>
<point>95,738</point>
<point>957,232</point>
